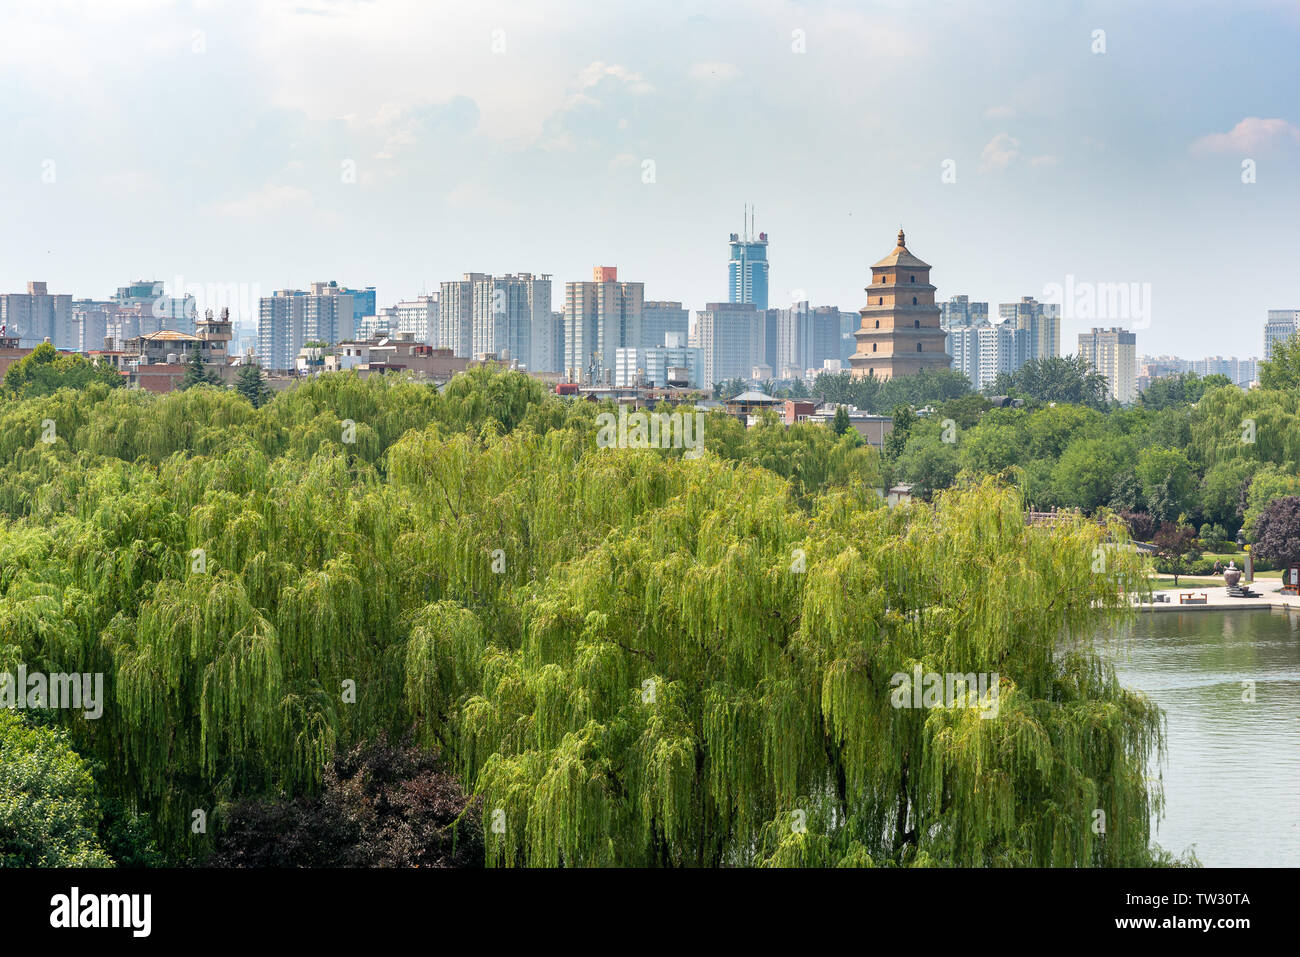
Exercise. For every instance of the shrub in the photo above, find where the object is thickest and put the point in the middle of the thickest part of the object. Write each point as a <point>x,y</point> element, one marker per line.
<point>382,806</point>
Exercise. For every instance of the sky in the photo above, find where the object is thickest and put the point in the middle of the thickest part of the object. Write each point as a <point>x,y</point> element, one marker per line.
<point>1025,147</point>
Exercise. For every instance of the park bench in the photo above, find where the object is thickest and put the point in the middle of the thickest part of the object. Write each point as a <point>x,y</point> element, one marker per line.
<point>1189,598</point>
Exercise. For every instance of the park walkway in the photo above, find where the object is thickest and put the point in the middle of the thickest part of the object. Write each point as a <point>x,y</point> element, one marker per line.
<point>1217,598</point>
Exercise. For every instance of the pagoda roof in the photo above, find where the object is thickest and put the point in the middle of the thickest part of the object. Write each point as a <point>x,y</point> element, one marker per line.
<point>901,257</point>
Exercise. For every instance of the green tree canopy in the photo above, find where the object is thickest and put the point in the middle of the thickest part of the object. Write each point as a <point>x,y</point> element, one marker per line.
<point>198,372</point>
<point>1055,379</point>
<point>44,370</point>
<point>1185,388</point>
<point>1282,370</point>
<point>48,813</point>
<point>841,423</point>
<point>252,385</point>
<point>1269,483</point>
<point>1085,474</point>
<point>882,396</point>
<point>636,657</point>
<point>1168,482</point>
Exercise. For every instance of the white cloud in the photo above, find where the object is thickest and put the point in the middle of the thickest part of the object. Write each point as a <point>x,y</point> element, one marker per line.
<point>999,153</point>
<point>1000,112</point>
<point>597,113</point>
<point>1251,135</point>
<point>594,73</point>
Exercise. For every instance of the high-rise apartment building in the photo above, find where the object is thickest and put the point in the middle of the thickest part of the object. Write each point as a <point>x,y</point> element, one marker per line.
<point>528,320</point>
<point>507,316</point>
<point>90,323</point>
<point>849,320</point>
<point>34,316</point>
<point>363,303</point>
<point>291,318</point>
<point>959,312</point>
<point>659,318</point>
<point>804,339</point>
<point>999,348</point>
<point>600,317</point>
<point>747,267</point>
<point>383,323</point>
<point>456,315</point>
<point>787,354</point>
<point>1247,372</point>
<point>1280,326</point>
<point>557,340</point>
<point>1242,372</point>
<point>510,315</point>
<point>649,368</point>
<point>415,319</point>
<point>280,327</point>
<point>660,362</point>
<point>900,333</point>
<point>731,337</point>
<point>330,314</point>
<point>143,308</point>
<point>628,369</point>
<point>1041,322</point>
<point>1113,353</point>
<point>963,346</point>
<point>823,337</point>
<point>983,350</point>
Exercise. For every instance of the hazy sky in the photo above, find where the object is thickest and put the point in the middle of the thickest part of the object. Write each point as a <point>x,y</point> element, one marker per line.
<point>214,142</point>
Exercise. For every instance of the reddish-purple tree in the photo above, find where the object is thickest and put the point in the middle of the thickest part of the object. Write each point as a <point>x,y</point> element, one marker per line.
<point>381,806</point>
<point>1176,548</point>
<point>1140,524</point>
<point>1277,531</point>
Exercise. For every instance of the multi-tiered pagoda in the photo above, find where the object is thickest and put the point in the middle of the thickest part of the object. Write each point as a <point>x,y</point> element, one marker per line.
<point>899,333</point>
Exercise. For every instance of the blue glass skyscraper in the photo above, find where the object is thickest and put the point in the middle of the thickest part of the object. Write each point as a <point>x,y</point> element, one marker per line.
<point>747,270</point>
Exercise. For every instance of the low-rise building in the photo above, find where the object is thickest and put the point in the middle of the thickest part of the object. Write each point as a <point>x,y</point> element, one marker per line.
<point>872,428</point>
<point>383,355</point>
<point>10,352</point>
<point>748,406</point>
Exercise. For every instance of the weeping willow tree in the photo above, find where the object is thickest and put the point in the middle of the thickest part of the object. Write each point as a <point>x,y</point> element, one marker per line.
<point>634,658</point>
<point>1261,425</point>
<point>684,695</point>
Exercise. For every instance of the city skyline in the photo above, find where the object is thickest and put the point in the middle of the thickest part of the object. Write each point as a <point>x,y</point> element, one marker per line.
<point>153,302</point>
<point>181,141</point>
<point>243,300</point>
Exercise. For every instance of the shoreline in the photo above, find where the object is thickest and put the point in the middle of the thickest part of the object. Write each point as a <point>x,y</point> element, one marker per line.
<point>1217,599</point>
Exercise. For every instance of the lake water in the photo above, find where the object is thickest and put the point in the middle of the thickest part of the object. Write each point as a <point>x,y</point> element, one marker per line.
<point>1232,769</point>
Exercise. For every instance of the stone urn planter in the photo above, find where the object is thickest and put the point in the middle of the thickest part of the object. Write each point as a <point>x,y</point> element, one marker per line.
<point>1231,575</point>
